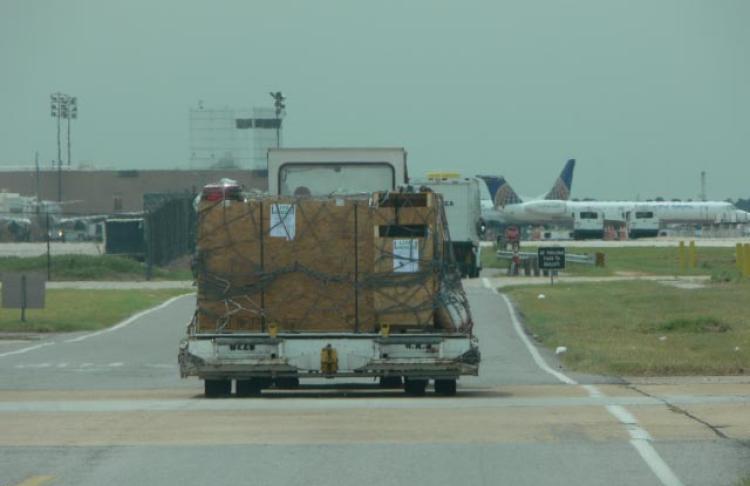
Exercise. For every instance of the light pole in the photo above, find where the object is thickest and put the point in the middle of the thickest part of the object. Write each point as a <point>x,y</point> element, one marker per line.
<point>280,106</point>
<point>72,113</point>
<point>62,106</point>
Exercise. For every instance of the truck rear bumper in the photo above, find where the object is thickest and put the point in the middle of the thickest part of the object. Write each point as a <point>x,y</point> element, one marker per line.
<point>356,355</point>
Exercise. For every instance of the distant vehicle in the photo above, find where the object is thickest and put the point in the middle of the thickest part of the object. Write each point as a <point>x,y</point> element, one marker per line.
<point>642,223</point>
<point>82,228</point>
<point>15,229</point>
<point>461,197</point>
<point>402,353</point>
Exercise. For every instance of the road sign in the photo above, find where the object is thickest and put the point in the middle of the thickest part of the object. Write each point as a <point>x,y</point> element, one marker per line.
<point>23,291</point>
<point>551,257</point>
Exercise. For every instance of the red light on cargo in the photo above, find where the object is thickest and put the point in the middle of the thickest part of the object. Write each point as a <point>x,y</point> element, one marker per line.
<point>222,191</point>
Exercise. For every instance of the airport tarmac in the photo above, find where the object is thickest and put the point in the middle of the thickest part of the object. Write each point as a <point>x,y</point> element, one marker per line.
<point>109,408</point>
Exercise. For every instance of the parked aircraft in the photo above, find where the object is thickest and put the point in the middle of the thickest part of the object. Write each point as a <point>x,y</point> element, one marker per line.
<point>499,194</point>
<point>588,218</point>
<point>558,211</point>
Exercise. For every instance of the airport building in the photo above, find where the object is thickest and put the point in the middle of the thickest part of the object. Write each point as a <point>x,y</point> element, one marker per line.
<point>115,191</point>
<point>230,138</point>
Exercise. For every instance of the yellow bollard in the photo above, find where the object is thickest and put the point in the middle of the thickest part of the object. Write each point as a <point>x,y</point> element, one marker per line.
<point>739,252</point>
<point>692,255</point>
<point>682,255</point>
<point>746,261</point>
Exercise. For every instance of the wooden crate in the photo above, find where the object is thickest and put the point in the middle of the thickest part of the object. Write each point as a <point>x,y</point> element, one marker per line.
<point>334,272</point>
<point>255,273</point>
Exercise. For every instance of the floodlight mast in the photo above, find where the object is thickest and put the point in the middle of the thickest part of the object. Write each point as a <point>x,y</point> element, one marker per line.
<point>65,107</point>
<point>280,109</point>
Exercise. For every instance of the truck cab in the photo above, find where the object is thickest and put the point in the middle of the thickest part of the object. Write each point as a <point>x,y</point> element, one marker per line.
<point>642,223</point>
<point>463,210</point>
<point>588,224</point>
<point>335,171</point>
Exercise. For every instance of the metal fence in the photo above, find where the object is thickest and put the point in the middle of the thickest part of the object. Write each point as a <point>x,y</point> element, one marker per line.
<point>170,228</point>
<point>163,232</point>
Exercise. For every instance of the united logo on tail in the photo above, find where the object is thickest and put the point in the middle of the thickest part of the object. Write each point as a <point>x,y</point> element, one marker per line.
<point>503,195</point>
<point>501,192</point>
<point>563,184</point>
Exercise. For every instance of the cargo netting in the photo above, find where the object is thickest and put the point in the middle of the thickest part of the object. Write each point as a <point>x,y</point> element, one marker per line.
<point>331,264</point>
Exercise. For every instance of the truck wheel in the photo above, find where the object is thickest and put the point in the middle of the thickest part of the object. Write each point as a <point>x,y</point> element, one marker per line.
<point>415,387</point>
<point>249,388</point>
<point>217,388</point>
<point>391,382</point>
<point>446,388</point>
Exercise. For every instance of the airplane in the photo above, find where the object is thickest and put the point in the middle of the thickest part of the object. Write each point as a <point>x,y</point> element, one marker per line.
<point>588,217</point>
<point>559,211</point>
<point>498,194</point>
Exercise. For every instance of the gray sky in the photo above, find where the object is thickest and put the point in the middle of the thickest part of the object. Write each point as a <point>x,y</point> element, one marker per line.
<point>645,94</point>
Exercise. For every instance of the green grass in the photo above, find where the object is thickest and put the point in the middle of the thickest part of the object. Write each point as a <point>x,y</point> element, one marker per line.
<point>83,310</point>
<point>642,328</point>
<point>713,261</point>
<point>90,267</point>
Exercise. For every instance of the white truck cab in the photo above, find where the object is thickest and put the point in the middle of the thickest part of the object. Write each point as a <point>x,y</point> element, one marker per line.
<point>588,224</point>
<point>642,223</point>
<point>463,210</point>
<point>330,171</point>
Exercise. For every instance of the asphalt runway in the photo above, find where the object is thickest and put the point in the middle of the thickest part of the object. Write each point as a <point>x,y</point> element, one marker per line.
<point>110,408</point>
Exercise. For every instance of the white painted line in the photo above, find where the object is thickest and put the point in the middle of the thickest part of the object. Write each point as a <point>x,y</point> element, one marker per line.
<point>25,350</point>
<point>640,438</point>
<point>127,321</point>
<point>529,346</point>
<point>656,463</point>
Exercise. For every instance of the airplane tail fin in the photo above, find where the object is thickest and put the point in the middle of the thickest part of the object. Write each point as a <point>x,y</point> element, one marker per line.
<point>564,183</point>
<point>501,192</point>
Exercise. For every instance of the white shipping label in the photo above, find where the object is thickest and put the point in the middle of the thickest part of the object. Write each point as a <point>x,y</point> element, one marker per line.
<point>406,256</point>
<point>283,221</point>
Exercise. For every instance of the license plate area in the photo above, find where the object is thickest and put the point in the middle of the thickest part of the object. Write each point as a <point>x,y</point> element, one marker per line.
<point>247,349</point>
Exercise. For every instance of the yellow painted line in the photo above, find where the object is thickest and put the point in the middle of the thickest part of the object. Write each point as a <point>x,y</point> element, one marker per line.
<point>36,481</point>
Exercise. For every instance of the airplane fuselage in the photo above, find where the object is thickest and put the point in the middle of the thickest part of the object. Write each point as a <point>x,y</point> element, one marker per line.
<point>559,211</point>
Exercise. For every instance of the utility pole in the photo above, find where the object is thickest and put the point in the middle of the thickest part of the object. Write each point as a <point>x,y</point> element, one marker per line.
<point>280,106</point>
<point>703,185</point>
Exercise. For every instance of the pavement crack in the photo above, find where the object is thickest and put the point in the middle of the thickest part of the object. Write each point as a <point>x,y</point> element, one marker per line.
<point>716,429</point>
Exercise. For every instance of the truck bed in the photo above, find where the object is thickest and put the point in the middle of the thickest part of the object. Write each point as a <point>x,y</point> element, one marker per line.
<point>308,355</point>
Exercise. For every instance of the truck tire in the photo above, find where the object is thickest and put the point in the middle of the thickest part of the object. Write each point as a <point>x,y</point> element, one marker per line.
<point>249,388</point>
<point>391,382</point>
<point>415,387</point>
<point>217,388</point>
<point>447,388</point>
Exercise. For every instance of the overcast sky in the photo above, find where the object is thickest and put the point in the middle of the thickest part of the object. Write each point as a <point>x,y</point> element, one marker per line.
<point>645,94</point>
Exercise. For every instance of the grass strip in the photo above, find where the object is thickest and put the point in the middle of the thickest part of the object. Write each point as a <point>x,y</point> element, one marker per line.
<point>89,267</point>
<point>642,328</point>
<point>717,262</point>
<point>69,310</point>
